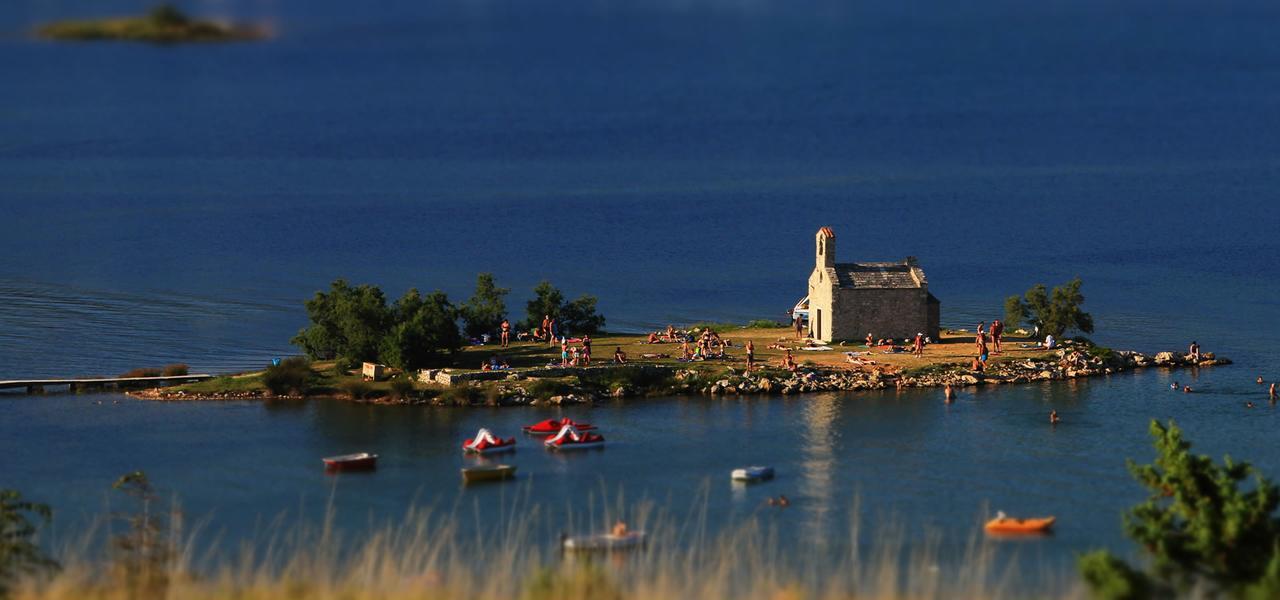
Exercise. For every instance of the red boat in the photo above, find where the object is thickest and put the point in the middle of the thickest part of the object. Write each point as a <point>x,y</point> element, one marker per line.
<point>553,426</point>
<point>362,461</point>
<point>573,439</point>
<point>486,443</point>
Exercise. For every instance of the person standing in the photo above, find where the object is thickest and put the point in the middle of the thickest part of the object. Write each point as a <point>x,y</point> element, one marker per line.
<point>551,330</point>
<point>997,331</point>
<point>918,350</point>
<point>545,331</point>
<point>506,333</point>
<point>586,350</point>
<point>798,323</point>
<point>1194,351</point>
<point>751,362</point>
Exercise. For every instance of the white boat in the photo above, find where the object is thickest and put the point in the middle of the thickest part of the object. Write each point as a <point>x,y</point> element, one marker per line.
<point>604,542</point>
<point>486,443</point>
<point>570,438</point>
<point>751,474</point>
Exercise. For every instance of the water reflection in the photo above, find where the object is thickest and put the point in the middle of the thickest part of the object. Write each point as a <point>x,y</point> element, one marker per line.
<point>818,470</point>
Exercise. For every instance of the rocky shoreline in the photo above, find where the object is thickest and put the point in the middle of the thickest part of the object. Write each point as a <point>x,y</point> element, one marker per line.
<point>519,389</point>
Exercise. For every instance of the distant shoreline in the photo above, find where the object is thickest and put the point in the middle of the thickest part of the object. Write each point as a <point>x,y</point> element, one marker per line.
<point>163,25</point>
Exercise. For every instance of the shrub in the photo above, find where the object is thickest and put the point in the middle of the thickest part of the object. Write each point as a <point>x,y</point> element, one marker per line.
<point>175,369</point>
<point>764,324</point>
<point>462,394</point>
<point>143,372</point>
<point>291,376</point>
<point>716,327</point>
<point>356,389</point>
<point>401,388</point>
<point>546,388</point>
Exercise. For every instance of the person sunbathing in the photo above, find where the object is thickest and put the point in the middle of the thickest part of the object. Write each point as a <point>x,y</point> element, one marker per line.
<point>653,338</point>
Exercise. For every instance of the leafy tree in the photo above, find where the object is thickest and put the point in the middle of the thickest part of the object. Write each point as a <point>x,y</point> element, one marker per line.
<point>347,322</point>
<point>546,301</point>
<point>580,316</point>
<point>167,15</point>
<point>577,317</point>
<point>426,331</point>
<point>19,555</point>
<point>1050,313</point>
<point>1201,528</point>
<point>484,312</point>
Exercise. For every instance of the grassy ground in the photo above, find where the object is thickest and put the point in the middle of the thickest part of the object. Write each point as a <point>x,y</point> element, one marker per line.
<point>429,556</point>
<point>953,348</point>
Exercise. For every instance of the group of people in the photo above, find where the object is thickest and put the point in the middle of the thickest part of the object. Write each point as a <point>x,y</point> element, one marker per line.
<point>578,355</point>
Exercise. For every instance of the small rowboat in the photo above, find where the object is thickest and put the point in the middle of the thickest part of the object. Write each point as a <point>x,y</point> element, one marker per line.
<point>488,473</point>
<point>486,443</point>
<point>752,474</point>
<point>553,426</point>
<point>572,439</point>
<point>362,461</point>
<point>606,542</point>
<point>1008,525</point>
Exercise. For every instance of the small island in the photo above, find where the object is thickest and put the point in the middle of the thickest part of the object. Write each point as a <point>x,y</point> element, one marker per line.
<point>164,24</point>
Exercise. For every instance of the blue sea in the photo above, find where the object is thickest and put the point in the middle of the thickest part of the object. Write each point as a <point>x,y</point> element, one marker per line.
<point>165,204</point>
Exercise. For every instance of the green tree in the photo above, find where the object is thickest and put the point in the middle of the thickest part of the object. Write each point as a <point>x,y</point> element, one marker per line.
<point>484,312</point>
<point>580,316</point>
<point>347,322</point>
<point>577,317</point>
<point>19,554</point>
<point>425,333</point>
<point>167,15</point>
<point>1049,313</point>
<point>547,300</point>
<point>1201,527</point>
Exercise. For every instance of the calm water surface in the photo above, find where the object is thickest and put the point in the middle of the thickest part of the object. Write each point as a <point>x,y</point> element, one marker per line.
<point>166,204</point>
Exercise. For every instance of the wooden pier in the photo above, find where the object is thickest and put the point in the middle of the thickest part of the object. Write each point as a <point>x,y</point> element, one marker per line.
<point>38,386</point>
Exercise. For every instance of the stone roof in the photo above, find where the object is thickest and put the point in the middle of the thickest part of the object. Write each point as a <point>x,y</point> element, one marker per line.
<point>893,275</point>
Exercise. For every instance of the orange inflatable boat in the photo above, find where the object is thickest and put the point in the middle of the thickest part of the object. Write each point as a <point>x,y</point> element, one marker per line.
<point>1008,525</point>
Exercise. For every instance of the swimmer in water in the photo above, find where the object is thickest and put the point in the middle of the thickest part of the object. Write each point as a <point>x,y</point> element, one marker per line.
<point>1173,386</point>
<point>1054,419</point>
<point>1186,389</point>
<point>949,394</point>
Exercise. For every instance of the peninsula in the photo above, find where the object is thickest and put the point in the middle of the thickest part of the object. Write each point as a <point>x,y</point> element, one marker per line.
<point>164,24</point>
<point>532,373</point>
